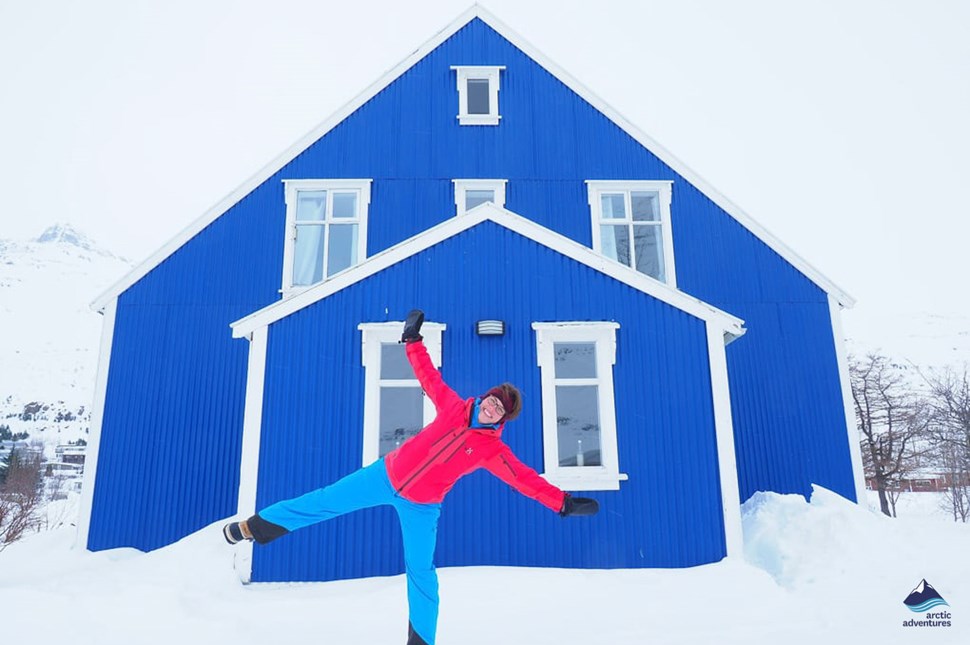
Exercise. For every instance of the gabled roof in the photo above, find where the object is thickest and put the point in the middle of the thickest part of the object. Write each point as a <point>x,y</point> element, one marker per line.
<point>481,13</point>
<point>732,326</point>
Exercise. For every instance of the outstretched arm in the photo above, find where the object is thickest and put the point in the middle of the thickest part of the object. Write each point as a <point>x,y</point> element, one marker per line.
<point>527,481</point>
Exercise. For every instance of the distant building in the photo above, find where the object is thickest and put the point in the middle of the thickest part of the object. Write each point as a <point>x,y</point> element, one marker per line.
<point>674,356</point>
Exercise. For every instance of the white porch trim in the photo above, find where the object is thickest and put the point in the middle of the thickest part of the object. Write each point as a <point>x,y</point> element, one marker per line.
<point>727,323</point>
<point>726,457</point>
<point>252,428</point>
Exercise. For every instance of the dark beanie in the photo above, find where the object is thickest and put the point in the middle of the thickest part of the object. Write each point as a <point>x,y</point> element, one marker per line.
<point>510,398</point>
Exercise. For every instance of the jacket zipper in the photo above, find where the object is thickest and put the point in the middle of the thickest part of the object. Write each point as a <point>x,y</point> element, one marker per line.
<point>430,461</point>
<point>509,466</point>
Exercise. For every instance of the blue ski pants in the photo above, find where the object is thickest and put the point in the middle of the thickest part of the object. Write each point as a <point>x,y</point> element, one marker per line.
<point>366,488</point>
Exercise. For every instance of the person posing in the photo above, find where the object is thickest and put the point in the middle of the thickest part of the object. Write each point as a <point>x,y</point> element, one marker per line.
<point>464,436</point>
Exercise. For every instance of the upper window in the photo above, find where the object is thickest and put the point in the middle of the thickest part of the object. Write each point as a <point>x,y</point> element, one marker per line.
<point>470,193</point>
<point>326,229</point>
<point>631,224</point>
<point>578,410</point>
<point>395,408</point>
<point>478,94</point>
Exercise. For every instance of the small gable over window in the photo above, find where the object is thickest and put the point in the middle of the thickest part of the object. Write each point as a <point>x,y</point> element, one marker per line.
<point>478,94</point>
<point>470,193</point>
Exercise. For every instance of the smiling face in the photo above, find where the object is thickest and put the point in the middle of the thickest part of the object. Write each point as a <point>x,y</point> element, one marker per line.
<point>490,411</point>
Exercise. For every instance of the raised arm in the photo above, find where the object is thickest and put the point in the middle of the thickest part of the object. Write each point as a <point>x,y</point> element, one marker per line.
<point>428,376</point>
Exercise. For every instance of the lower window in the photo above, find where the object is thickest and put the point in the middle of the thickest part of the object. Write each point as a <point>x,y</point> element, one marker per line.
<point>578,410</point>
<point>395,408</point>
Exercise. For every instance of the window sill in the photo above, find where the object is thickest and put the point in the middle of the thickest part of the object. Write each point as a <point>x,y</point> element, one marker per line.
<point>585,481</point>
<point>478,119</point>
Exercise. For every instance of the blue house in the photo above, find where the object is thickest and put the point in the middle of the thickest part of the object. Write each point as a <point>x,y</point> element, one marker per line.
<point>674,357</point>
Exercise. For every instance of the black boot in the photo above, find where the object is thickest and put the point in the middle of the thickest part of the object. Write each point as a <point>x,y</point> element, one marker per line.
<point>413,638</point>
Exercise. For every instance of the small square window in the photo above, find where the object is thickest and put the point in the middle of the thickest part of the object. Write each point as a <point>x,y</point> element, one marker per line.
<point>470,193</point>
<point>478,88</point>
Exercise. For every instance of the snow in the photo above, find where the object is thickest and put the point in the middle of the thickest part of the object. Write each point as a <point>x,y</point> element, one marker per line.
<point>824,570</point>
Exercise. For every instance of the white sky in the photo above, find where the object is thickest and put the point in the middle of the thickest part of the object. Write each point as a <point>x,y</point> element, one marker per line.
<point>840,125</point>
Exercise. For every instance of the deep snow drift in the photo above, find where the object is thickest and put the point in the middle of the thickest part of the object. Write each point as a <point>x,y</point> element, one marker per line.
<point>827,571</point>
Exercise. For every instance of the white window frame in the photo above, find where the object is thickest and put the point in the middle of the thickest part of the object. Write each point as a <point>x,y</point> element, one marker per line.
<point>595,190</point>
<point>478,72</point>
<point>462,186</point>
<point>373,335</point>
<point>603,334</point>
<point>291,189</point>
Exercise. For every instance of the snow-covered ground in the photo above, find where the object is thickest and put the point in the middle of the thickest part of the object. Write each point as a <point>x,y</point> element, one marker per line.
<point>821,572</point>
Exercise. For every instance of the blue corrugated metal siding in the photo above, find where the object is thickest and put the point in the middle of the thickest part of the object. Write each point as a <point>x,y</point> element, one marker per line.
<point>168,462</point>
<point>407,139</point>
<point>668,514</point>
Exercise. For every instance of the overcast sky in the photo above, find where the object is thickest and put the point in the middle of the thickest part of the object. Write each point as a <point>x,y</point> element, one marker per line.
<point>842,126</point>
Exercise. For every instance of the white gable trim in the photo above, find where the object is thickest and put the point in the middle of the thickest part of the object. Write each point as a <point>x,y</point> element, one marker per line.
<point>848,405</point>
<point>475,11</point>
<point>731,326</point>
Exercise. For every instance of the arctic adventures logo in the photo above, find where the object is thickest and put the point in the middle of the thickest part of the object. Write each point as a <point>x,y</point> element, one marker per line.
<point>922,599</point>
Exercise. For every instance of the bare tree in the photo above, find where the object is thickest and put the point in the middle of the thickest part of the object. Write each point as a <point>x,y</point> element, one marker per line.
<point>949,402</point>
<point>21,495</point>
<point>892,422</point>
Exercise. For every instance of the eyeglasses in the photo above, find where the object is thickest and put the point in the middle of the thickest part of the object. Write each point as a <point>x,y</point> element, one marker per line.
<point>495,404</point>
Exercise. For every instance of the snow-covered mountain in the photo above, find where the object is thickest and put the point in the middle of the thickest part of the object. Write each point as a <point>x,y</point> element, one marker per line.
<point>49,337</point>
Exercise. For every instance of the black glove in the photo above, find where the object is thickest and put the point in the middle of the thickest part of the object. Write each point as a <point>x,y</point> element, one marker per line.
<point>578,506</point>
<point>412,327</point>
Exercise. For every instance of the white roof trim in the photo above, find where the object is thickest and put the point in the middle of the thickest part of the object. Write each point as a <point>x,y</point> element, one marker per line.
<point>476,11</point>
<point>732,326</point>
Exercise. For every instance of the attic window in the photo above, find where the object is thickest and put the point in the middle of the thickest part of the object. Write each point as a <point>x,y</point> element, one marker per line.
<point>478,94</point>
<point>470,193</point>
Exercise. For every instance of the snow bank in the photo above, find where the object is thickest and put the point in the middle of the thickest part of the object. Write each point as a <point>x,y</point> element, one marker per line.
<point>812,571</point>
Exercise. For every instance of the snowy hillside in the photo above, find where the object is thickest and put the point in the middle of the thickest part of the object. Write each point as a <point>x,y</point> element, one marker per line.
<point>821,572</point>
<point>50,338</point>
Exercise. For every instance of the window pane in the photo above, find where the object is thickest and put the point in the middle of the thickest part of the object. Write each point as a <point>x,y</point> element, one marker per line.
<point>308,255</point>
<point>343,247</point>
<point>402,416</point>
<point>614,206</point>
<point>616,243</point>
<point>311,205</point>
<point>646,206</point>
<point>575,360</point>
<point>475,198</point>
<point>648,241</point>
<point>344,205</point>
<point>578,421</point>
<point>478,96</point>
<point>394,362</point>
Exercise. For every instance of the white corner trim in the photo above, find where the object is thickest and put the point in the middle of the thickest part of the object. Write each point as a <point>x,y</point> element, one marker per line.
<point>252,430</point>
<point>97,420</point>
<point>724,431</point>
<point>475,11</point>
<point>848,405</point>
<point>729,324</point>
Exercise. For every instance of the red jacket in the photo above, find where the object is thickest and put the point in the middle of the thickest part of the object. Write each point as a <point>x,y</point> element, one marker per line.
<point>426,466</point>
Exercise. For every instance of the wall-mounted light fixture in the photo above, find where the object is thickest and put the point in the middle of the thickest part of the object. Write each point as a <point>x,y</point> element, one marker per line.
<point>490,328</point>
